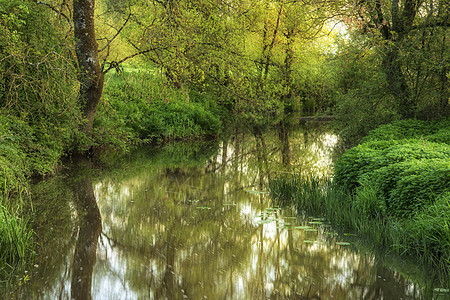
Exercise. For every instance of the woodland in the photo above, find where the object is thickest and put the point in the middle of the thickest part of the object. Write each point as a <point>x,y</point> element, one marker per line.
<point>95,78</point>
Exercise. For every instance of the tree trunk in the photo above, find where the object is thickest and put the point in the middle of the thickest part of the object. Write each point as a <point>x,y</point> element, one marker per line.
<point>91,75</point>
<point>397,83</point>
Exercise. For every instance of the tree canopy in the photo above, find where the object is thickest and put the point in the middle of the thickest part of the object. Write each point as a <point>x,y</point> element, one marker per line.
<point>258,59</point>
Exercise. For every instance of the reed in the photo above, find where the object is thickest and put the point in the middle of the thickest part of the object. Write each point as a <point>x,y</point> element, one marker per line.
<point>16,239</point>
<point>425,236</point>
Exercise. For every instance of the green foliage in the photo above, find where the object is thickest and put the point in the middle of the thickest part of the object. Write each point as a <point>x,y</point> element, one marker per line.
<point>15,239</point>
<point>392,189</point>
<point>142,106</point>
<point>39,113</point>
<point>305,193</point>
<point>409,186</point>
<point>385,76</point>
<point>426,235</point>
<point>361,100</point>
<point>404,172</point>
<point>364,159</point>
<point>428,232</point>
<point>367,202</point>
<point>22,154</point>
<point>255,58</point>
<point>37,83</point>
<point>435,131</point>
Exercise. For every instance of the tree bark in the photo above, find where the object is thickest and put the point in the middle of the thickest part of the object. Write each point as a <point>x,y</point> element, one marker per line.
<point>91,75</point>
<point>397,83</point>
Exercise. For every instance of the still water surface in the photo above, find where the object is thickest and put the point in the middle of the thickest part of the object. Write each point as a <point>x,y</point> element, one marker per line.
<point>194,221</point>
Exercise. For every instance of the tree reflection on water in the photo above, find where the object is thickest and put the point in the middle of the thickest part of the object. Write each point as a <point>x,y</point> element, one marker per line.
<point>90,227</point>
<point>194,222</point>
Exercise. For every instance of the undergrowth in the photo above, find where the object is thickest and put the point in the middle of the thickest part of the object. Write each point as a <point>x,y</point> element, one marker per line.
<point>392,189</point>
<point>141,105</point>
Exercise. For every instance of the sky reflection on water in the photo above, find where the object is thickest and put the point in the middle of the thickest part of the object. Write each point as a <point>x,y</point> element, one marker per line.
<point>190,223</point>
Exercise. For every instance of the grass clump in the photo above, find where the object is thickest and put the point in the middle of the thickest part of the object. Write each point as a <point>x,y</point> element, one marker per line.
<point>15,239</point>
<point>428,233</point>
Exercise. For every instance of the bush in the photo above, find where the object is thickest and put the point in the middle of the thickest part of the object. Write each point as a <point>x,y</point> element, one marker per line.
<point>373,155</point>
<point>398,180</point>
<point>406,171</point>
<point>436,131</point>
<point>409,186</point>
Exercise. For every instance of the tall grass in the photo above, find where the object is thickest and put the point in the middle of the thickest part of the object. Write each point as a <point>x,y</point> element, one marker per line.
<point>426,235</point>
<point>306,194</point>
<point>15,239</point>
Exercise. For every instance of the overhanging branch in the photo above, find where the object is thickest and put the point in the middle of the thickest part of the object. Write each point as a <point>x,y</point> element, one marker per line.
<point>116,63</point>
<point>117,33</point>
<point>55,10</point>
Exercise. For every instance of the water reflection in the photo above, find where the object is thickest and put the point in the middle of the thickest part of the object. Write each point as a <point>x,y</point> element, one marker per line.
<point>194,222</point>
<point>88,233</point>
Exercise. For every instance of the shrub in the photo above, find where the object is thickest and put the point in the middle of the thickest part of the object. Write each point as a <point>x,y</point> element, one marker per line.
<point>436,131</point>
<point>373,155</point>
<point>409,186</point>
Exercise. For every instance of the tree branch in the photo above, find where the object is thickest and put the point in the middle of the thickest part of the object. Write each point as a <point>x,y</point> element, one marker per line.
<point>118,32</point>
<point>55,10</point>
<point>114,64</point>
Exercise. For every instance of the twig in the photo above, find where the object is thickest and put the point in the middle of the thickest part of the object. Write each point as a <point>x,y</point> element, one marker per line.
<point>118,32</point>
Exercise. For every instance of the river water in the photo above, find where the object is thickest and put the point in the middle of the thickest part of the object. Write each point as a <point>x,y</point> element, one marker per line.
<point>194,221</point>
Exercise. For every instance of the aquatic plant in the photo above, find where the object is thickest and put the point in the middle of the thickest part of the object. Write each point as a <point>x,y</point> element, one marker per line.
<point>15,239</point>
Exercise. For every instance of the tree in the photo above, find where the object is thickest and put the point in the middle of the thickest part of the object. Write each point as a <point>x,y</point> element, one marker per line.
<point>245,52</point>
<point>90,73</point>
<point>397,23</point>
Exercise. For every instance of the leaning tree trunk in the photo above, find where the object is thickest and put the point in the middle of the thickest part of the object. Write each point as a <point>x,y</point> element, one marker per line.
<point>91,75</point>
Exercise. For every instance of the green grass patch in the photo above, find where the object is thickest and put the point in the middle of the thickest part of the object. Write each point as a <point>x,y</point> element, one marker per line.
<point>141,105</point>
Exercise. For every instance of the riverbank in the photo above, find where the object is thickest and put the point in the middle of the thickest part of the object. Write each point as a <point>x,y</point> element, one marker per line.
<point>137,108</point>
<point>392,189</point>
<point>140,106</point>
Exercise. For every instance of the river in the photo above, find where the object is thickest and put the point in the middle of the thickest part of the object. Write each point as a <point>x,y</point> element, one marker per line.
<point>194,221</point>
